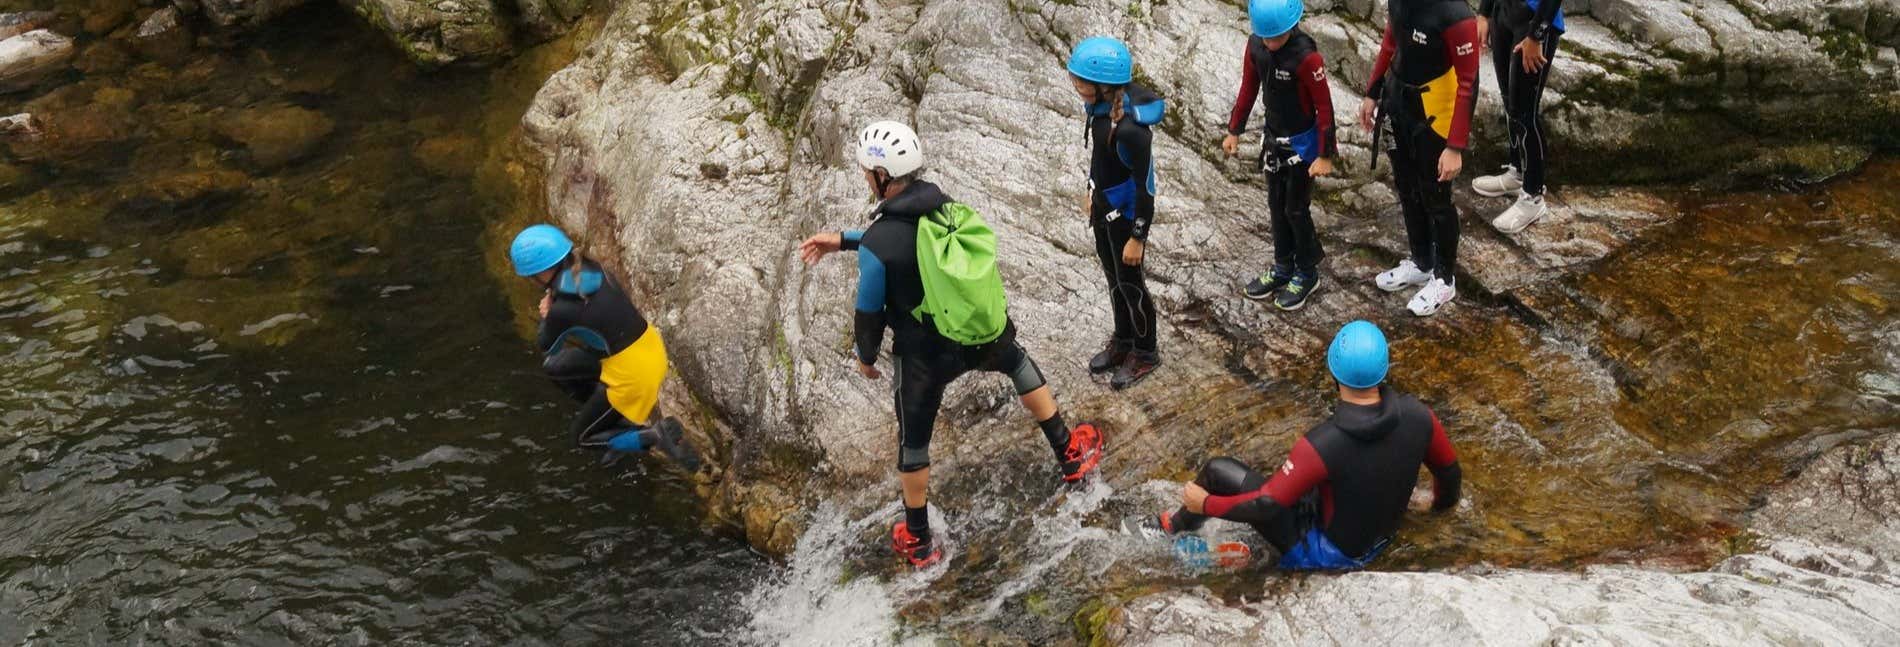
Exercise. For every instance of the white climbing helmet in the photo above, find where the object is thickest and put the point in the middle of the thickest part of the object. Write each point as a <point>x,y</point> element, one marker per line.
<point>891,146</point>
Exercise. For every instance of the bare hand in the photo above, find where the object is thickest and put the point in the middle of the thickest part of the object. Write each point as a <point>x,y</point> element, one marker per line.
<point>1421,500</point>
<point>869,371</point>
<point>1484,31</point>
<point>1230,145</point>
<point>1321,167</point>
<point>547,303</point>
<point>1132,252</point>
<point>1194,498</point>
<point>1533,54</point>
<point>819,245</point>
<point>1449,164</point>
<point>1367,110</point>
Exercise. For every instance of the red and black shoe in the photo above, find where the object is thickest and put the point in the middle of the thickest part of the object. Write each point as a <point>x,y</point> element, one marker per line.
<point>1140,363</point>
<point>1083,454</point>
<point>919,552</point>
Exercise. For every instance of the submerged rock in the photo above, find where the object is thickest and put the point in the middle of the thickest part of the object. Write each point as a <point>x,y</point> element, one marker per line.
<point>29,58</point>
<point>278,135</point>
<point>245,13</point>
<point>20,22</point>
<point>164,37</point>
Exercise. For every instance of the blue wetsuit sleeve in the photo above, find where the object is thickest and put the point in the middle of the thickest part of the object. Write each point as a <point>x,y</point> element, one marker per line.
<point>850,239</point>
<point>869,319</point>
<point>1137,147</point>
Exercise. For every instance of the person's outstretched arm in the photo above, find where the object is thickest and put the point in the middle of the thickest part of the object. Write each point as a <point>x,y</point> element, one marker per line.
<point>868,323</point>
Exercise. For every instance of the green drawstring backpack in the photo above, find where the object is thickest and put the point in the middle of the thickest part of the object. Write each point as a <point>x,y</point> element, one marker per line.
<point>963,292</point>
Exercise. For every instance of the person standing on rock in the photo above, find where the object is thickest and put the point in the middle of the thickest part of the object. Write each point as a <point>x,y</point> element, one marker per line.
<point>1337,500</point>
<point>1424,80</point>
<point>1284,65</point>
<point>1523,40</point>
<point>600,350</point>
<point>1121,198</point>
<point>946,318</point>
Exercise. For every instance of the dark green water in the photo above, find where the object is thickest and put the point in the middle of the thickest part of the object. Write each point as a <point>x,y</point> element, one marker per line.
<point>297,410</point>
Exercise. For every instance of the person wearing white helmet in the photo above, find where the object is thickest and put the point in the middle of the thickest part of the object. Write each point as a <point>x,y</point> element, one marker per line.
<point>929,349</point>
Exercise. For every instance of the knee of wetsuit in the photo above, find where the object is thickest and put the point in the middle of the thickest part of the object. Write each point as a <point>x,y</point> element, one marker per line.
<point>1027,377</point>
<point>1226,475</point>
<point>911,459</point>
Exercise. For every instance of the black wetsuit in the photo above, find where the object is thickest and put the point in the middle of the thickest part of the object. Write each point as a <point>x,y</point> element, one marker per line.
<point>1344,487</point>
<point>924,362</point>
<point>1512,21</point>
<point>577,334</point>
<point>1425,78</point>
<point>1299,108</point>
<point>1122,174</point>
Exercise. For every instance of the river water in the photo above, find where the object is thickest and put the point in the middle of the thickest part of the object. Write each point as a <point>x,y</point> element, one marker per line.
<point>301,410</point>
<point>288,402</point>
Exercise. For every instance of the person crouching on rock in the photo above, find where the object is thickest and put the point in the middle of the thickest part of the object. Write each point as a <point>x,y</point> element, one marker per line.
<point>600,350</point>
<point>947,316</point>
<point>1299,143</point>
<point>1336,501</point>
<point>1425,79</point>
<point>1121,198</point>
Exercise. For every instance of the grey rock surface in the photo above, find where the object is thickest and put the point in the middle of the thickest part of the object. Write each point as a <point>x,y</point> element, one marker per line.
<point>1826,572</point>
<point>31,57</point>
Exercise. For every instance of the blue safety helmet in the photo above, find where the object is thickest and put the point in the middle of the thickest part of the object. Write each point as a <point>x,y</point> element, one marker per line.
<point>1103,60</point>
<point>1273,18</point>
<point>1358,356</point>
<point>538,249</point>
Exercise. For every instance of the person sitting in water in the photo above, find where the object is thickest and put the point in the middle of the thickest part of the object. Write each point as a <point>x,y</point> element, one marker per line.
<point>924,359</point>
<point>600,350</point>
<point>1336,501</point>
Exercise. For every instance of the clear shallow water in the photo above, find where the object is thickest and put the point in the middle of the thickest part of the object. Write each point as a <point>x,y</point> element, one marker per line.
<point>300,410</point>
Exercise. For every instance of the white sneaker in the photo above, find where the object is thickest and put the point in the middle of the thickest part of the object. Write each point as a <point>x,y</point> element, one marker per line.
<point>1528,209</point>
<point>1496,185</point>
<point>1434,295</point>
<point>1404,276</point>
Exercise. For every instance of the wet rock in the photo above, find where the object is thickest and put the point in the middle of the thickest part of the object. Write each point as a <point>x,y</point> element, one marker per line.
<point>441,32</point>
<point>102,16</point>
<point>103,57</point>
<point>243,13</point>
<point>278,135</point>
<point>72,137</point>
<point>181,190</point>
<point>164,37</point>
<point>1838,584</point>
<point>546,19</point>
<point>16,23</point>
<point>29,58</point>
<point>449,155</point>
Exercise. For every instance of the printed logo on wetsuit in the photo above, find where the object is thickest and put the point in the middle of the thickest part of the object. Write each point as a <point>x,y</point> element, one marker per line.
<point>1319,74</point>
<point>1282,75</point>
<point>1465,49</point>
<point>1419,37</point>
<point>1287,467</point>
